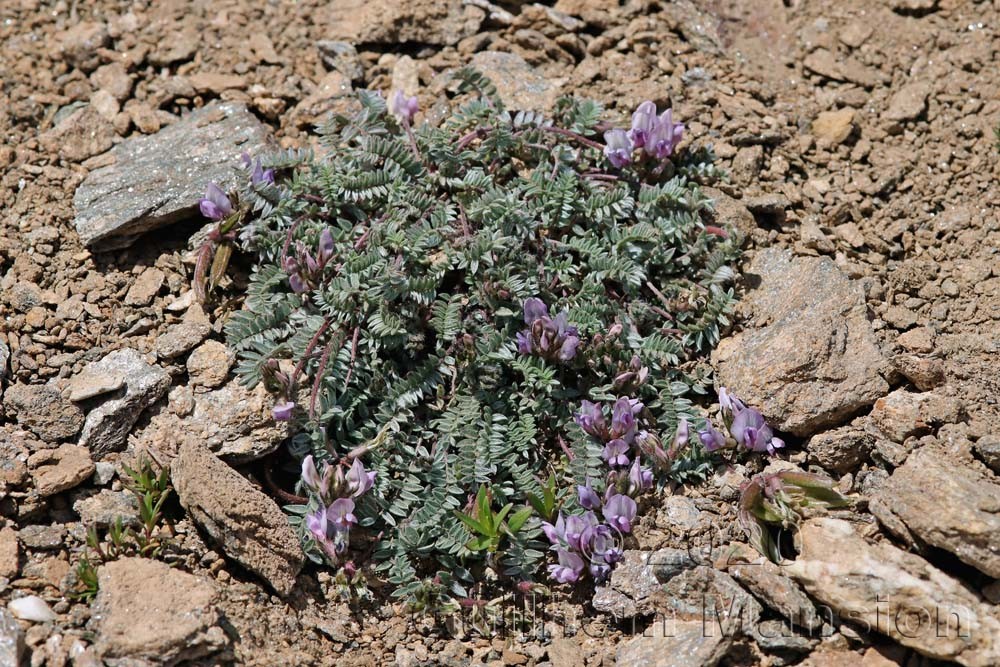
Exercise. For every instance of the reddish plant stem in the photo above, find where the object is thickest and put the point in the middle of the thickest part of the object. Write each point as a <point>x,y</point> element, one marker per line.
<point>278,491</point>
<point>309,350</point>
<point>354,357</point>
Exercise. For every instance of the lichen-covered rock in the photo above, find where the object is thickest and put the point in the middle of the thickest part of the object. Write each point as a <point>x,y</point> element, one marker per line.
<point>147,610</point>
<point>807,358</point>
<point>209,364</point>
<point>903,413</point>
<point>184,336</point>
<point>157,180</point>
<point>245,523</point>
<point>107,427</point>
<point>57,470</point>
<point>840,450</point>
<point>675,643</point>
<point>11,639</point>
<point>948,502</point>
<point>770,585</point>
<point>895,593</point>
<point>635,587</point>
<point>439,22</point>
<point>233,421</point>
<point>519,85</point>
<point>42,410</point>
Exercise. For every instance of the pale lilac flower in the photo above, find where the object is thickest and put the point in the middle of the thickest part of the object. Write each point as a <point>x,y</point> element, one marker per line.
<point>325,249</point>
<point>534,309</point>
<point>316,523</point>
<point>711,438</point>
<point>620,511</point>
<point>258,175</point>
<point>310,476</point>
<point>588,497</point>
<point>639,478</point>
<point>318,527</point>
<point>616,453</point>
<point>623,418</point>
<point>576,527</point>
<point>665,137</point>
<point>649,444</point>
<point>340,513</point>
<point>604,545</point>
<point>215,205</point>
<point>568,569</point>
<point>555,533</point>
<point>591,419</point>
<point>751,431</point>
<point>549,337</point>
<point>644,121</point>
<point>358,479</point>
<point>730,405</point>
<point>402,107</point>
<point>282,412</point>
<point>618,148</point>
<point>599,570</point>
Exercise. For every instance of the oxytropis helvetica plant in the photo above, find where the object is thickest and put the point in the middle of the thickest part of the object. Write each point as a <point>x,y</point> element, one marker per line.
<point>483,330</point>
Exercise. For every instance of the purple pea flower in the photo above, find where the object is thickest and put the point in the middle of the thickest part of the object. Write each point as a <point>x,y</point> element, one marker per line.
<point>618,148</point>
<point>751,431</point>
<point>616,453</point>
<point>318,526</point>
<point>588,497</point>
<point>359,480</point>
<point>568,569</point>
<point>644,121</point>
<point>591,419</point>
<point>310,476</point>
<point>215,205</point>
<point>623,418</point>
<point>603,544</point>
<point>620,511</point>
<point>556,534</point>
<point>402,107</point>
<point>639,478</point>
<point>534,309</point>
<point>340,513</point>
<point>665,136</point>
<point>325,246</point>
<point>711,438</point>
<point>599,570</point>
<point>576,527</point>
<point>258,175</point>
<point>730,405</point>
<point>282,412</point>
<point>549,337</point>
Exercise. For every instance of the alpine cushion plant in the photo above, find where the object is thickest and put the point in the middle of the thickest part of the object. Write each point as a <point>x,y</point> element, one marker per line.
<point>401,310</point>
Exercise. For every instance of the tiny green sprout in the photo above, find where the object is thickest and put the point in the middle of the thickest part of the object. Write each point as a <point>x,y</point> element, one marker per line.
<point>86,576</point>
<point>489,527</point>
<point>545,506</point>
<point>782,499</point>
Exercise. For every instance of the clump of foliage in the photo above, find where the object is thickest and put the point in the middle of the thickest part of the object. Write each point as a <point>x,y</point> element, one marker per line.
<point>152,491</point>
<point>774,502</point>
<point>400,308</point>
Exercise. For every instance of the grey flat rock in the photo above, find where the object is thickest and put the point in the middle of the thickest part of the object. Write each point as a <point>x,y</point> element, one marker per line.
<point>157,180</point>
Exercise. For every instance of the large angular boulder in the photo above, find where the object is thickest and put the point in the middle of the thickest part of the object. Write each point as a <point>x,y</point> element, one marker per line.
<point>896,593</point>
<point>948,501</point>
<point>157,180</point>
<point>147,610</point>
<point>807,357</point>
<point>137,384</point>
<point>246,524</point>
